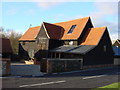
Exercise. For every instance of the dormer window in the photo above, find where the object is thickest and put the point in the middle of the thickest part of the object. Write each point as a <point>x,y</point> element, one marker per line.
<point>71,29</point>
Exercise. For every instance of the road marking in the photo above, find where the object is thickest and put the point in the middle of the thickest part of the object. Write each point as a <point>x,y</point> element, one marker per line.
<point>94,76</point>
<point>43,84</point>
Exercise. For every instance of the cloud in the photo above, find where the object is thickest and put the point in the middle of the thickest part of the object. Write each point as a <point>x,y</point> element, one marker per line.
<point>107,7</point>
<point>60,0</point>
<point>46,4</point>
<point>30,12</point>
<point>103,11</point>
<point>12,12</point>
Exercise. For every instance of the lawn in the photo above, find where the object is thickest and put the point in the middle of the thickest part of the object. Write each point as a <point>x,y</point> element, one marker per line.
<point>114,86</point>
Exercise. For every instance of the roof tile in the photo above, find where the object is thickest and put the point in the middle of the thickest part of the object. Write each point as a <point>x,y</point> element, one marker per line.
<point>60,30</point>
<point>30,34</point>
<point>80,24</point>
<point>94,35</point>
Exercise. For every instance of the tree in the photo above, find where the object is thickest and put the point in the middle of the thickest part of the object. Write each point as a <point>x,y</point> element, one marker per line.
<point>13,37</point>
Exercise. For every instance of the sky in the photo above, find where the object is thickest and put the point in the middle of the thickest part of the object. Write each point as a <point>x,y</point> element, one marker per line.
<point>19,15</point>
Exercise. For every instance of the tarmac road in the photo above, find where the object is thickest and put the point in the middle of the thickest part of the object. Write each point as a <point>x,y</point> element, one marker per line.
<point>91,78</point>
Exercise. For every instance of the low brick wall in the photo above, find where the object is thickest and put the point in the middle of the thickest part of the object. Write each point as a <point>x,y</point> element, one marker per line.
<point>26,70</point>
<point>60,65</point>
<point>97,66</point>
<point>64,65</point>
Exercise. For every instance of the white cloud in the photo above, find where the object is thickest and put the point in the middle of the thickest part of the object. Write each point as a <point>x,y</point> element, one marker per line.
<point>104,9</point>
<point>12,12</point>
<point>60,0</point>
<point>30,12</point>
<point>107,7</point>
<point>109,10</point>
<point>46,4</point>
<point>114,36</point>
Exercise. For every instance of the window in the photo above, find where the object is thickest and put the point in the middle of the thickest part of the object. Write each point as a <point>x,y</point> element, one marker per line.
<point>71,43</point>
<point>71,29</point>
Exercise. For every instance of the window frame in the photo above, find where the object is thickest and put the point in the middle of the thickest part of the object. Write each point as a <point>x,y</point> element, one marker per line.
<point>71,29</point>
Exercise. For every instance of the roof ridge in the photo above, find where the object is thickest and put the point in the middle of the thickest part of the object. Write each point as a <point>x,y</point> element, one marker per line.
<point>35,27</point>
<point>63,21</point>
<point>52,24</point>
<point>98,27</point>
<point>73,20</point>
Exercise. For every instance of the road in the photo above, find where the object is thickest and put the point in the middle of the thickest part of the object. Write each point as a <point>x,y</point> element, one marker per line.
<point>91,78</point>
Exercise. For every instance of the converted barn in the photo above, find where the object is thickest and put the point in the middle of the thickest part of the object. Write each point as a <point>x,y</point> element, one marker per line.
<point>67,41</point>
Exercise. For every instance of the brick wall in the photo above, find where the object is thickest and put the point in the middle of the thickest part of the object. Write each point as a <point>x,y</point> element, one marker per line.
<point>59,65</point>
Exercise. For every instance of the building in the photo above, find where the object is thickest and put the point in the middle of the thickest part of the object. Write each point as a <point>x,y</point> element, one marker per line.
<point>116,47</point>
<point>117,43</point>
<point>5,56</point>
<point>75,39</point>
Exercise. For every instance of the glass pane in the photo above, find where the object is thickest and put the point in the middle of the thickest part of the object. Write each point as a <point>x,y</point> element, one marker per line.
<point>71,29</point>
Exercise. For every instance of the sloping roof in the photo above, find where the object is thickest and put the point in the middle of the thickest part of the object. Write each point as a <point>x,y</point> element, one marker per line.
<point>5,47</point>
<point>81,49</point>
<point>116,51</point>
<point>116,43</point>
<point>60,30</point>
<point>31,33</point>
<point>62,48</point>
<point>54,31</point>
<point>80,24</point>
<point>118,40</point>
<point>93,36</point>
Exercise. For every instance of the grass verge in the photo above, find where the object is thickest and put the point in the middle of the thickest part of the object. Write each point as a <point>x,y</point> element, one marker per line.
<point>114,86</point>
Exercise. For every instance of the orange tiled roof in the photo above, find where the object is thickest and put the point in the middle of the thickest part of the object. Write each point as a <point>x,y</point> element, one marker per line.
<point>60,30</point>
<point>31,33</point>
<point>80,24</point>
<point>94,35</point>
<point>54,31</point>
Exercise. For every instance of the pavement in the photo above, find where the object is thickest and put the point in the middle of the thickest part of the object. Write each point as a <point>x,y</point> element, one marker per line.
<point>83,79</point>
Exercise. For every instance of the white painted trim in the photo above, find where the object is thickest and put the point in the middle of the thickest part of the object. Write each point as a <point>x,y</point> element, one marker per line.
<point>46,30</point>
<point>118,41</point>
